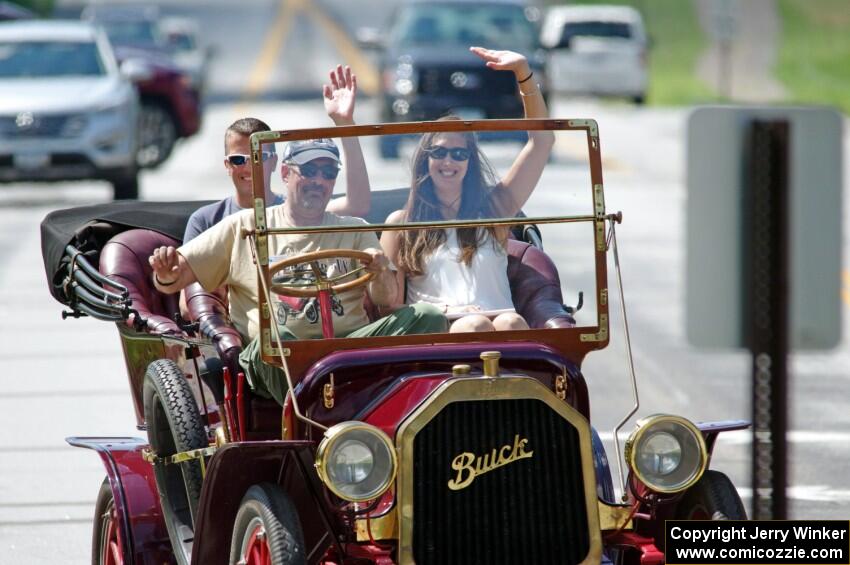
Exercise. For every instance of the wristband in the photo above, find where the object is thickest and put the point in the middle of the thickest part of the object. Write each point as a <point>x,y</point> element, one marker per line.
<point>531,74</point>
<point>160,283</point>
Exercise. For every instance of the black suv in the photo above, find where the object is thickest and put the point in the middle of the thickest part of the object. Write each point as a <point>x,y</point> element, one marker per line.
<point>428,71</point>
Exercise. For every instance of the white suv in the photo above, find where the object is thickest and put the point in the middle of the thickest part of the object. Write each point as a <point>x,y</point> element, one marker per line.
<point>66,112</point>
<point>596,49</point>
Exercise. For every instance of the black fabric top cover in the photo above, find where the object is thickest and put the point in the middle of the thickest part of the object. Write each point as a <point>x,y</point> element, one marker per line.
<point>88,228</point>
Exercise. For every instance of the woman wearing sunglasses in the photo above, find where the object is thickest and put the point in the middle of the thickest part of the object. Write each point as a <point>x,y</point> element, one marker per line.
<point>465,270</point>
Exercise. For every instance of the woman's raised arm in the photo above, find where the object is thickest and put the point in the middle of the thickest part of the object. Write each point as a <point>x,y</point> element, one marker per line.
<point>522,177</point>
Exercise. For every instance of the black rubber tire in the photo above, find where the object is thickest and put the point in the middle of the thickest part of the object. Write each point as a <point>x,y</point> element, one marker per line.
<point>125,186</point>
<point>103,509</point>
<point>267,506</point>
<point>639,99</point>
<point>157,135</point>
<point>713,497</point>
<point>174,425</point>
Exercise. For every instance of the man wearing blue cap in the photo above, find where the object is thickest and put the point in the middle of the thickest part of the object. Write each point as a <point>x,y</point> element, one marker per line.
<point>221,256</point>
<point>339,98</point>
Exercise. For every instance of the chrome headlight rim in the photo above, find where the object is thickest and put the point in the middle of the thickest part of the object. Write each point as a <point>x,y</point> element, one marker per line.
<point>650,423</point>
<point>341,431</point>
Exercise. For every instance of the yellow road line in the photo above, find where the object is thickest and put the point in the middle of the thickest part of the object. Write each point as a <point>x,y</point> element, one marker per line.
<point>845,288</point>
<point>368,79</point>
<point>270,52</point>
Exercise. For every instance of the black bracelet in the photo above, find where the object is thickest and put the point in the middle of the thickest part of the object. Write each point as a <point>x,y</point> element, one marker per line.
<point>531,74</point>
<point>160,283</point>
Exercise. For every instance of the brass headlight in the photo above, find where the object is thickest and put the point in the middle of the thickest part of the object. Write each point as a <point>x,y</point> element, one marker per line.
<point>356,461</point>
<point>667,453</point>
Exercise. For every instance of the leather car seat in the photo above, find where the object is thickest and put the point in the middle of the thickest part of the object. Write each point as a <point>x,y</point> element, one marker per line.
<point>536,287</point>
<point>211,312</point>
<point>124,259</point>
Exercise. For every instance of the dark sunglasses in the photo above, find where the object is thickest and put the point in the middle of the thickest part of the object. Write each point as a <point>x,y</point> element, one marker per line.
<point>439,153</point>
<point>309,170</point>
<point>237,160</point>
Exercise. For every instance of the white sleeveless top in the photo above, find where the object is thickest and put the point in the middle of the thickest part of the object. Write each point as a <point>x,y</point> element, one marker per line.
<point>448,280</point>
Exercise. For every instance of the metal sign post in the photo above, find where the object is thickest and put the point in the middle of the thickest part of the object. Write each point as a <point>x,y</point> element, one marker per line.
<point>766,295</point>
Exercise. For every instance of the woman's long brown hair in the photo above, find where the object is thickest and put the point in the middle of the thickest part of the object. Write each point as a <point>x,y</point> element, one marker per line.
<point>479,195</point>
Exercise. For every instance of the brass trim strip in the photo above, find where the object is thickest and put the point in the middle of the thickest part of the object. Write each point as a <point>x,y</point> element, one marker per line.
<point>615,516</point>
<point>269,348</point>
<point>488,222</point>
<point>181,457</point>
<point>601,246</point>
<point>599,201</point>
<point>484,389</point>
<point>602,334</point>
<point>591,125</point>
<point>521,124</point>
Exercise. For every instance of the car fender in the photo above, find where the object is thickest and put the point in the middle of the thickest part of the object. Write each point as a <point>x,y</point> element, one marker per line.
<point>136,500</point>
<point>604,482</point>
<point>288,464</point>
<point>710,431</point>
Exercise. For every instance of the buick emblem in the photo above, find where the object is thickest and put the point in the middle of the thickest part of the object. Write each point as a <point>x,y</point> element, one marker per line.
<point>469,466</point>
<point>24,120</point>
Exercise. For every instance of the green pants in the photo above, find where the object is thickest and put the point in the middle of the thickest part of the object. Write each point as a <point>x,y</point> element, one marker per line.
<point>270,382</point>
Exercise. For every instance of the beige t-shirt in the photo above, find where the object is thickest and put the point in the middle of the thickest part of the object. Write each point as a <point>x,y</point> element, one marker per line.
<point>221,256</point>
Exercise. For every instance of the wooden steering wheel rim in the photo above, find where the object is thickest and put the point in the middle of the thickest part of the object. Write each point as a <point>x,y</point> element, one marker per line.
<point>315,256</point>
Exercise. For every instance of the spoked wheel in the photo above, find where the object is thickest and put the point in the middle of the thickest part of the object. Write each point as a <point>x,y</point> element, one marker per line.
<point>267,530</point>
<point>174,425</point>
<point>713,497</point>
<point>108,539</point>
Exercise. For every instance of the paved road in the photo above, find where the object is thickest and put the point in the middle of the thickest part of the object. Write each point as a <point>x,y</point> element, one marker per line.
<point>61,378</point>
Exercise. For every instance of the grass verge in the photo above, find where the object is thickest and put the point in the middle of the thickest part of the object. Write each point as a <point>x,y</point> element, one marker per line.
<point>814,58</point>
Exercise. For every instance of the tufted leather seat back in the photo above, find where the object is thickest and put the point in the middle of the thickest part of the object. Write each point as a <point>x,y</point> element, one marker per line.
<point>124,259</point>
<point>210,310</point>
<point>536,287</point>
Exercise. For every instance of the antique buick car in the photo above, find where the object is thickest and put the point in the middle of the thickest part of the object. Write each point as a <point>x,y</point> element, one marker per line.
<point>433,448</point>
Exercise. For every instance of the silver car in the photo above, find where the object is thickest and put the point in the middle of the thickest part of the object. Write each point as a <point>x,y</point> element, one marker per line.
<point>597,49</point>
<point>66,111</point>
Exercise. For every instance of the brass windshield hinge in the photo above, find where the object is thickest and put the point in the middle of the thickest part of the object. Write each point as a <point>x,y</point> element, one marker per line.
<point>602,334</point>
<point>328,393</point>
<point>561,386</point>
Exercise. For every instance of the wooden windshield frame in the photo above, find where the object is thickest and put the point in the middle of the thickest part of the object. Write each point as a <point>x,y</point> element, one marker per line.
<point>572,343</point>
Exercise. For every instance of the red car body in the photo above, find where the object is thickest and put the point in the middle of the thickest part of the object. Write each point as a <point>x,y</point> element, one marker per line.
<point>439,399</point>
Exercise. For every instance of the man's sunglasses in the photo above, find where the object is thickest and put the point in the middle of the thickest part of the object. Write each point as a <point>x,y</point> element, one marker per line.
<point>439,153</point>
<point>310,170</point>
<point>237,160</point>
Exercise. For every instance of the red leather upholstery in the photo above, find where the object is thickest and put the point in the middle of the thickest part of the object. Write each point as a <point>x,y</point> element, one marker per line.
<point>536,287</point>
<point>210,310</point>
<point>124,259</point>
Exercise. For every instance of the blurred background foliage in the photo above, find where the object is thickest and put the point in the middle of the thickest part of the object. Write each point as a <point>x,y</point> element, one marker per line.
<point>813,61</point>
<point>814,57</point>
<point>42,7</point>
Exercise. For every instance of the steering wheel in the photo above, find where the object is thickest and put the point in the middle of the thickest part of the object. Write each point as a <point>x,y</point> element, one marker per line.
<point>322,282</point>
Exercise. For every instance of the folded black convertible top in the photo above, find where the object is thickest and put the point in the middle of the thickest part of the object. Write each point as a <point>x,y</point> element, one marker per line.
<point>88,228</point>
